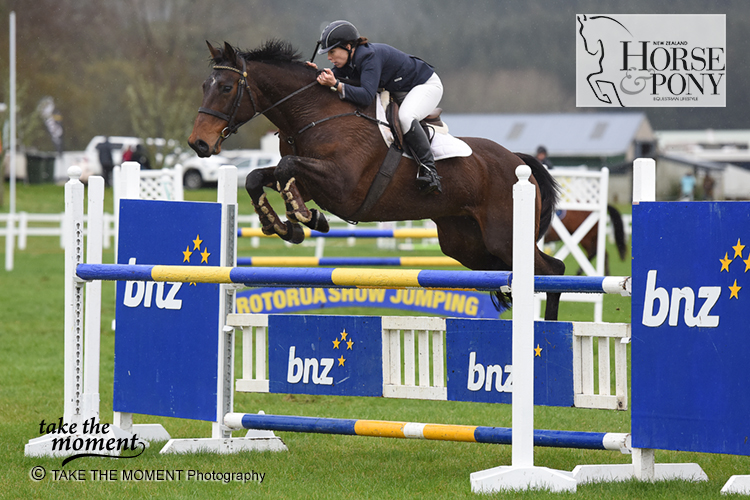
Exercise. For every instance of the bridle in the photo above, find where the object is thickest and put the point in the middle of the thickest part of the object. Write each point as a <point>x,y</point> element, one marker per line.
<point>242,85</point>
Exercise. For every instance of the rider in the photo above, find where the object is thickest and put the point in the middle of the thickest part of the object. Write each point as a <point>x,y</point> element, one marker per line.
<point>377,65</point>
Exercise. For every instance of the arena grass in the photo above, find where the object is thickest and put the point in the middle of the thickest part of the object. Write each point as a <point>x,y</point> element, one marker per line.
<point>316,466</point>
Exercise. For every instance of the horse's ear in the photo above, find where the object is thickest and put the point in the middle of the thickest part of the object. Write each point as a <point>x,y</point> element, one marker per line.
<point>229,53</point>
<point>215,51</point>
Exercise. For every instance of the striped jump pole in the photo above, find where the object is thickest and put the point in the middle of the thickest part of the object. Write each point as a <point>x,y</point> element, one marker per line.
<point>347,261</point>
<point>350,277</point>
<point>414,232</point>
<point>411,430</point>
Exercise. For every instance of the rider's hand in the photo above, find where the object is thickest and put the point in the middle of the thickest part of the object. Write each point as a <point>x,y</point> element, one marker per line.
<point>311,64</point>
<point>326,78</point>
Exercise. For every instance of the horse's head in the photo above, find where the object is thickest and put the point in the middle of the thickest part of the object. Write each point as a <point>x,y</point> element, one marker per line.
<point>224,106</point>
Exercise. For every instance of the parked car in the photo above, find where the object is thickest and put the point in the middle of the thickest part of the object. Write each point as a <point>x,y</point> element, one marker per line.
<point>199,172</point>
<point>257,159</point>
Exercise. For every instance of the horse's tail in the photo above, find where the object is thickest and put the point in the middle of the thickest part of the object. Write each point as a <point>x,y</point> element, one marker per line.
<point>619,230</point>
<point>549,188</point>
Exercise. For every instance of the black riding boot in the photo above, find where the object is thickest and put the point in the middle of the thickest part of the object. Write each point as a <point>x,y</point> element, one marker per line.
<point>427,176</point>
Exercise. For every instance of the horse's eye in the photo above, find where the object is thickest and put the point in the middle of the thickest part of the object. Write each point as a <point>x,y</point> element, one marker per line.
<point>226,89</point>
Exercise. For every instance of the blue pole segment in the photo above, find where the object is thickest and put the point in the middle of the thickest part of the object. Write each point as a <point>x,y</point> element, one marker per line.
<point>299,424</point>
<point>114,272</point>
<point>480,280</point>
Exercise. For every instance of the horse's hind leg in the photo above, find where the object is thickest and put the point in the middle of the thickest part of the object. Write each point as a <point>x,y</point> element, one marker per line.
<point>461,238</point>
<point>547,265</point>
<point>497,232</point>
<point>255,182</point>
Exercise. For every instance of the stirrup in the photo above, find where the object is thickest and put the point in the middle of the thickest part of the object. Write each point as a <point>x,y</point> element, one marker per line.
<point>428,181</point>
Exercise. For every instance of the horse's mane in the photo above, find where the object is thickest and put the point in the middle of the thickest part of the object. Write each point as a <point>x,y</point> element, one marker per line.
<point>273,50</point>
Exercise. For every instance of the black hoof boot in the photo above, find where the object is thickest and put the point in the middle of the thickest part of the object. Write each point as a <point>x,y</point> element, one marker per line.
<point>319,221</point>
<point>294,233</point>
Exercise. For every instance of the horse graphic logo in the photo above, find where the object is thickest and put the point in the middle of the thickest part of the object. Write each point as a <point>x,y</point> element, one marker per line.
<point>603,64</point>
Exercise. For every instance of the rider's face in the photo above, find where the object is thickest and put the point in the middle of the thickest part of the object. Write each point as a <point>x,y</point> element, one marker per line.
<point>338,57</point>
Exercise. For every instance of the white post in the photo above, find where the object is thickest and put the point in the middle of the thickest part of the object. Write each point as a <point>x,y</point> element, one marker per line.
<point>644,180</point>
<point>644,189</point>
<point>129,188</point>
<point>227,196</point>
<point>524,195</point>
<point>23,230</point>
<point>93,300</point>
<point>73,378</point>
<point>9,236</point>
<point>522,474</point>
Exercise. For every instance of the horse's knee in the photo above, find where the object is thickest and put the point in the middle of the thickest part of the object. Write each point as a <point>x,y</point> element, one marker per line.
<point>284,170</point>
<point>254,183</point>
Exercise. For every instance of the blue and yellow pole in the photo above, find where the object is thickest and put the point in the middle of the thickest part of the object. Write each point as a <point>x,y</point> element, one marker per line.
<point>413,430</point>
<point>350,277</point>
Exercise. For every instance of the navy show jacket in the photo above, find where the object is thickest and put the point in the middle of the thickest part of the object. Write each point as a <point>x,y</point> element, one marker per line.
<point>377,65</point>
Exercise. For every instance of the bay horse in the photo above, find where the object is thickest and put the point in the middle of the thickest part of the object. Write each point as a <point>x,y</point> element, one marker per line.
<point>331,152</point>
<point>572,219</point>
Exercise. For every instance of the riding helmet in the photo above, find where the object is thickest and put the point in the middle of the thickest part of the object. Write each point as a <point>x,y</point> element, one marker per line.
<point>336,34</point>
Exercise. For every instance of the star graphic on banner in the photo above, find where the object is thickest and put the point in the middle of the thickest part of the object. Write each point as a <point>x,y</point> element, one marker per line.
<point>725,262</point>
<point>196,247</point>
<point>341,361</point>
<point>538,351</point>
<point>186,254</point>
<point>735,290</point>
<point>738,249</point>
<point>349,343</point>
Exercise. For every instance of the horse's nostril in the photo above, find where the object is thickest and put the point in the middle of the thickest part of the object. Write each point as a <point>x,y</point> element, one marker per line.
<point>201,147</point>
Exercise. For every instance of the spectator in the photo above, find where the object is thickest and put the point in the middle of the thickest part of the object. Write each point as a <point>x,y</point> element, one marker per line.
<point>105,158</point>
<point>128,154</point>
<point>541,155</point>
<point>141,157</point>
<point>708,187</point>
<point>688,186</point>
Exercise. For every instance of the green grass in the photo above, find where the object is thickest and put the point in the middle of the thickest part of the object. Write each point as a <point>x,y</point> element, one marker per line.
<point>316,466</point>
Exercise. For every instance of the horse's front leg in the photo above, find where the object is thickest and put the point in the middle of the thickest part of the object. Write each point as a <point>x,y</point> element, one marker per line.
<point>255,182</point>
<point>296,210</point>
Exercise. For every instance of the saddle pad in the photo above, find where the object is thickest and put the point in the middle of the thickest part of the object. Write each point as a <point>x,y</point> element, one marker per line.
<point>443,144</point>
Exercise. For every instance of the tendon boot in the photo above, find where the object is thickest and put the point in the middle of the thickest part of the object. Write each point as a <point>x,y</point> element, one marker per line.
<point>416,140</point>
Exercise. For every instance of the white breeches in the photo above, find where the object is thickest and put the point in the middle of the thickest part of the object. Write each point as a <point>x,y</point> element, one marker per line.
<point>420,101</point>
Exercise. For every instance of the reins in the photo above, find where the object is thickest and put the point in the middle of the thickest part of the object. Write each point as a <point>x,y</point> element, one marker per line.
<point>242,84</point>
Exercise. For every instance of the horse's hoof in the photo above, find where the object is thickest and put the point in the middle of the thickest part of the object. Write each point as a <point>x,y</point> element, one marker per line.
<point>294,233</point>
<point>319,221</point>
